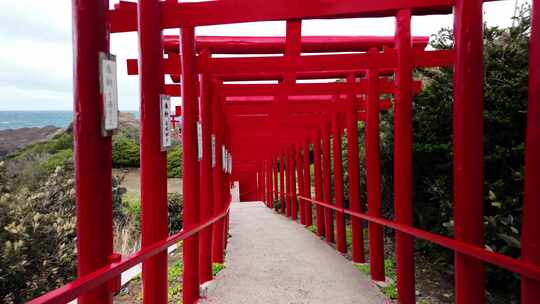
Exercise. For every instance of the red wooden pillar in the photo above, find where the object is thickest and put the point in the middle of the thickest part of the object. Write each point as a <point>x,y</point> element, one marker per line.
<point>218,184</point>
<point>92,151</point>
<point>327,183</point>
<point>288,166</point>
<point>357,226</point>
<point>191,165</point>
<point>270,183</point>
<point>403,158</point>
<point>375,231</point>
<point>206,189</point>
<point>227,190</point>
<point>282,182</point>
<point>341,242</point>
<point>154,207</point>
<point>318,183</point>
<point>275,195</point>
<point>300,175</point>
<point>294,198</point>
<point>265,183</point>
<point>530,239</point>
<point>307,186</point>
<point>260,183</point>
<point>468,148</point>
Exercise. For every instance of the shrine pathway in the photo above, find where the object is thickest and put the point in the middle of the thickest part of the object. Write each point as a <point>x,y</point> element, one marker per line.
<point>271,259</point>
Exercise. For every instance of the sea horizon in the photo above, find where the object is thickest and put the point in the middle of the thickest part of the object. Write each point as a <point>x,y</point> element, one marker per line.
<point>17,119</point>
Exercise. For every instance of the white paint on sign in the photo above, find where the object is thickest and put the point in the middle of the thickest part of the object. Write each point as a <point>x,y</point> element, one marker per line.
<point>213,150</point>
<point>230,163</point>
<point>109,93</point>
<point>223,158</point>
<point>199,141</point>
<point>166,127</point>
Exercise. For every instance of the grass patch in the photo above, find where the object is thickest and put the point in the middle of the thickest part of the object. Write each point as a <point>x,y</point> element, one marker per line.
<point>216,268</point>
<point>313,228</point>
<point>175,276</point>
<point>348,235</point>
<point>389,291</point>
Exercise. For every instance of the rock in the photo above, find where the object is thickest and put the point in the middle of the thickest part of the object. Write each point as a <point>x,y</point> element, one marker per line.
<point>13,139</point>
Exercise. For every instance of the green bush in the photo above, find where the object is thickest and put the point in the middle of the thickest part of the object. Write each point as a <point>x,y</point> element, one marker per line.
<point>174,162</point>
<point>58,159</point>
<point>176,206</point>
<point>125,152</point>
<point>38,236</point>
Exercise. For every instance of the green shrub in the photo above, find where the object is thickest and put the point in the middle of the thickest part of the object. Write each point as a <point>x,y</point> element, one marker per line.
<point>176,205</point>
<point>57,159</point>
<point>125,152</point>
<point>174,162</point>
<point>38,236</point>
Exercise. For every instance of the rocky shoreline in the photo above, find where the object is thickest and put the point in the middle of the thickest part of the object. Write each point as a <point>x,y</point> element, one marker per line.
<point>12,140</point>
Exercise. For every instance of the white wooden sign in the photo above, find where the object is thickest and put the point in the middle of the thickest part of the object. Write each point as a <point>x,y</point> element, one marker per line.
<point>199,141</point>
<point>166,125</point>
<point>213,150</point>
<point>109,93</point>
<point>230,163</point>
<point>223,158</point>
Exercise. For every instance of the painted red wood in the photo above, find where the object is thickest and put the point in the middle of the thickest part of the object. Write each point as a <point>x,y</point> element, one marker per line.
<point>92,183</point>
<point>307,184</point>
<point>187,14</point>
<point>317,172</point>
<point>327,182</point>
<point>357,227</point>
<point>205,169</point>
<point>403,159</point>
<point>341,242</point>
<point>300,179</point>
<point>373,179</point>
<point>153,164</point>
<point>468,147</point>
<point>530,238</point>
<point>190,183</point>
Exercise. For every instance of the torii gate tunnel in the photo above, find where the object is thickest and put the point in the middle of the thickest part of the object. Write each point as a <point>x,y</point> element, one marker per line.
<point>272,129</point>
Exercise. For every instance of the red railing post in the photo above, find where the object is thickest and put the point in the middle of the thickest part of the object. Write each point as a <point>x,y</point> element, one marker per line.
<point>300,175</point>
<point>327,183</point>
<point>403,158</point>
<point>373,180</point>
<point>260,183</point>
<point>319,211</point>
<point>357,227</point>
<point>307,185</point>
<point>294,199</point>
<point>269,183</point>
<point>227,189</point>
<point>206,189</point>
<point>468,147</point>
<point>191,165</point>
<point>275,195</point>
<point>218,242</point>
<point>92,152</point>
<point>288,166</point>
<point>341,241</point>
<point>282,182</point>
<point>154,207</point>
<point>530,240</point>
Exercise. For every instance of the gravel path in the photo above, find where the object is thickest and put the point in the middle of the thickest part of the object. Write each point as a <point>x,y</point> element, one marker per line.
<point>271,259</point>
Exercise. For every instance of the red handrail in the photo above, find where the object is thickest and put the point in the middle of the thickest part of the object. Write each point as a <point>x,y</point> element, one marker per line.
<point>515,265</point>
<point>86,283</point>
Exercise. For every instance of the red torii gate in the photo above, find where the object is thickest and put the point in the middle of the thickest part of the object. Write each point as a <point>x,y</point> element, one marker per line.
<point>93,22</point>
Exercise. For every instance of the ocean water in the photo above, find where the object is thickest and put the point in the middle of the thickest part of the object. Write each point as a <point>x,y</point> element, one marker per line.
<point>29,119</point>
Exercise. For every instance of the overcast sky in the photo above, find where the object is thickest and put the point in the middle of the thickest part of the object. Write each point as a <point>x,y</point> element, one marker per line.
<point>36,53</point>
